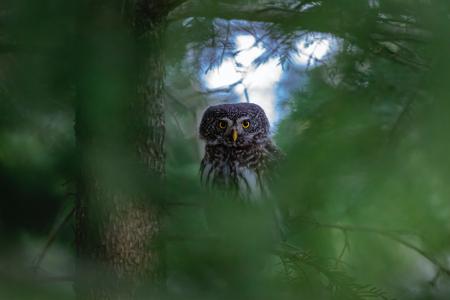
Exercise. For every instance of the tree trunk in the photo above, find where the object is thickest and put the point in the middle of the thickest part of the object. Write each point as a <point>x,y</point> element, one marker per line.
<point>120,137</point>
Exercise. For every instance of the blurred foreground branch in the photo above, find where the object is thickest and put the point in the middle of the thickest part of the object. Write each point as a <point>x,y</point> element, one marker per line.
<point>390,235</point>
<point>320,18</point>
<point>339,283</point>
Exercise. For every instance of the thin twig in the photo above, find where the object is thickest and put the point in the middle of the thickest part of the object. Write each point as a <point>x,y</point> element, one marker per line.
<point>52,238</point>
<point>181,203</point>
<point>390,236</point>
<point>224,89</point>
<point>225,44</point>
<point>400,117</point>
<point>344,248</point>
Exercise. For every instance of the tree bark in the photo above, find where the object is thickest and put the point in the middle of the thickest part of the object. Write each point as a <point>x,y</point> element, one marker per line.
<point>120,140</point>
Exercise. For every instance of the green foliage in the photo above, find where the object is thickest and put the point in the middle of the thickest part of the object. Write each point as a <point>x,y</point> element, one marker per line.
<point>364,181</point>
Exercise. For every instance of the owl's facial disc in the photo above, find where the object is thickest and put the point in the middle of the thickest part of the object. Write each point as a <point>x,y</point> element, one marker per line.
<point>239,134</point>
<point>234,125</point>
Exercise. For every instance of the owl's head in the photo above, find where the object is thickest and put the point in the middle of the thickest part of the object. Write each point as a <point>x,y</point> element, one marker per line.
<point>234,125</point>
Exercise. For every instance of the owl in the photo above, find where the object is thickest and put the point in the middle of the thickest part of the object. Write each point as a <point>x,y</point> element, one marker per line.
<point>239,153</point>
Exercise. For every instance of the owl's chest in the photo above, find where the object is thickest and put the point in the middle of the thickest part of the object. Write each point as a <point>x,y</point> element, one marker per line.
<point>241,171</point>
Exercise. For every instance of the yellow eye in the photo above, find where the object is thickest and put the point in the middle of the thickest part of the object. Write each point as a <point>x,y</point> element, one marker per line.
<point>246,124</point>
<point>222,124</point>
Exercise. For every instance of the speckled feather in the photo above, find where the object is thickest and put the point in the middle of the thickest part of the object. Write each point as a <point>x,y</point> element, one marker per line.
<point>243,165</point>
<point>243,170</point>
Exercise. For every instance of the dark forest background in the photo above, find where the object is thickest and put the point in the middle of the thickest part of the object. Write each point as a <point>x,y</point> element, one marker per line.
<point>99,107</point>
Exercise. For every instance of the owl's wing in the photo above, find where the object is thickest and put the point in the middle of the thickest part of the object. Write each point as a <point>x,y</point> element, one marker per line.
<point>205,171</point>
<point>274,158</point>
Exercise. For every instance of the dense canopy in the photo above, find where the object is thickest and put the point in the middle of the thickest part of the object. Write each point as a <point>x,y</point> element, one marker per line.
<point>100,103</point>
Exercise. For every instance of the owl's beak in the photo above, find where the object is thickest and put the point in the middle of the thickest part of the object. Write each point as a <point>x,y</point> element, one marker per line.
<point>234,135</point>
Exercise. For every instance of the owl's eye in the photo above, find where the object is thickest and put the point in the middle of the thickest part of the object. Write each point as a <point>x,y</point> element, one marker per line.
<point>222,124</point>
<point>246,124</point>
